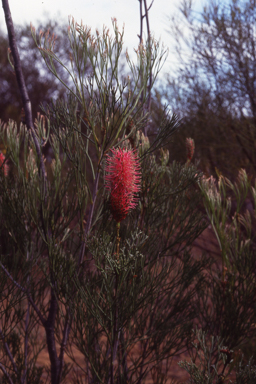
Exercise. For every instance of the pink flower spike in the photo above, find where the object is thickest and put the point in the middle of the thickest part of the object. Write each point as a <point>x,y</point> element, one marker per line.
<point>123,181</point>
<point>3,166</point>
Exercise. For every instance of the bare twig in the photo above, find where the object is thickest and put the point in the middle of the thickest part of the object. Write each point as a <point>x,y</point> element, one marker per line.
<point>244,149</point>
<point>22,86</point>
<point>23,380</point>
<point>150,5</point>
<point>50,338</point>
<point>142,16</point>
<point>67,328</point>
<point>141,22</point>
<point>6,373</point>
<point>8,352</point>
<point>39,314</point>
<point>149,41</point>
<point>124,356</point>
<point>152,315</point>
<point>89,221</point>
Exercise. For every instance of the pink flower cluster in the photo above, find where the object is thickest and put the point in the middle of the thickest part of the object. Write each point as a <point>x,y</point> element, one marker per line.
<point>3,166</point>
<point>123,181</point>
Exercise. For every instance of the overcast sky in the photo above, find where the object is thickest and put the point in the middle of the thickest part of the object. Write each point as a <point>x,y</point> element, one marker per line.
<point>95,13</point>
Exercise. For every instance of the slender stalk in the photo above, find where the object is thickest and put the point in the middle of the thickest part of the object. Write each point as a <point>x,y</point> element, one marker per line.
<point>117,241</point>
<point>142,16</point>
<point>153,312</point>
<point>22,86</point>
<point>89,221</point>
<point>149,41</point>
<point>141,22</point>
<point>50,338</point>
<point>66,331</point>
<point>116,333</point>
<point>6,373</point>
<point>39,314</point>
<point>124,356</point>
<point>8,352</point>
<point>23,380</point>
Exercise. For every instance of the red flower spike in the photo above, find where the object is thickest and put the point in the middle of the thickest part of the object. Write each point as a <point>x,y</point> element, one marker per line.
<point>190,148</point>
<point>3,166</point>
<point>123,181</point>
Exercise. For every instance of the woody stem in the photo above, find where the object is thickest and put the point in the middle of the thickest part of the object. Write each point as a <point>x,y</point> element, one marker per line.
<point>117,241</point>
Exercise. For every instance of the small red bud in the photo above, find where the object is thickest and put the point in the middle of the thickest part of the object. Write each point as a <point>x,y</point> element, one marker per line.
<point>3,166</point>
<point>190,148</point>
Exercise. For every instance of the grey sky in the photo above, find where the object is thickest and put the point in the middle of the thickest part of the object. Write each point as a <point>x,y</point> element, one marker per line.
<point>95,13</point>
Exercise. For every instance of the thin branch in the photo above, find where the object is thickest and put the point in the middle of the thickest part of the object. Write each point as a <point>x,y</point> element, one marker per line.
<point>244,149</point>
<point>124,356</point>
<point>39,314</point>
<point>89,221</point>
<point>149,43</point>
<point>23,380</point>
<point>6,373</point>
<point>151,4</point>
<point>50,339</point>
<point>147,18</point>
<point>149,87</point>
<point>66,331</point>
<point>141,22</point>
<point>22,86</point>
<point>8,352</point>
<point>153,312</point>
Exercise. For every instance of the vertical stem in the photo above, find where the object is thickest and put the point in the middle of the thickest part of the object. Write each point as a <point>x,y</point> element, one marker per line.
<point>8,352</point>
<point>124,356</point>
<point>149,43</point>
<point>152,316</point>
<point>141,22</point>
<point>117,241</point>
<point>149,87</point>
<point>50,338</point>
<point>89,221</point>
<point>22,87</point>
<point>66,331</point>
<point>39,314</point>
<point>23,380</point>
<point>116,333</point>
<point>6,374</point>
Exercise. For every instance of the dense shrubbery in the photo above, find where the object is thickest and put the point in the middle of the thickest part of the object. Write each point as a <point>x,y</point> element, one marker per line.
<point>81,271</point>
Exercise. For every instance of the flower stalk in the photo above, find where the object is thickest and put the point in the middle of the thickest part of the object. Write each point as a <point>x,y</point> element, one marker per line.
<point>190,148</point>
<point>117,241</point>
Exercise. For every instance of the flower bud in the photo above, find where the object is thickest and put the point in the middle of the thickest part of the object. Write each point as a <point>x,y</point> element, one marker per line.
<point>190,148</point>
<point>3,166</point>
